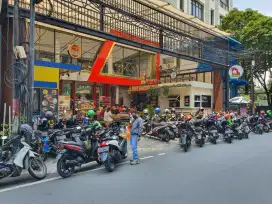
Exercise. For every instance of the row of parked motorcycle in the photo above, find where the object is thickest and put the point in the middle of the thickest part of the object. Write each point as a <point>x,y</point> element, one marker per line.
<point>76,145</point>
<point>72,146</point>
<point>169,125</point>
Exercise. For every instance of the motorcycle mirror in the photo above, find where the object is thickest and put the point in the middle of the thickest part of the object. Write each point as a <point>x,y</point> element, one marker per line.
<point>4,137</point>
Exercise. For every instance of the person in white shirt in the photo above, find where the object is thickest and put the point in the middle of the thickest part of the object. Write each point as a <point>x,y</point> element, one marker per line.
<point>108,116</point>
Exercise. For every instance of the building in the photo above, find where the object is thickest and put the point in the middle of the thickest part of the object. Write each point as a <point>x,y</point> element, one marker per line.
<point>209,11</point>
<point>90,54</point>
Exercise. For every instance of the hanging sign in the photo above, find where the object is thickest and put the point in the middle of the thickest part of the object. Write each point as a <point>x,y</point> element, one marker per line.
<point>74,51</point>
<point>236,71</point>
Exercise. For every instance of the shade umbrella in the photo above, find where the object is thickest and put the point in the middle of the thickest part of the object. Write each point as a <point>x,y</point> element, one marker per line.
<point>240,100</point>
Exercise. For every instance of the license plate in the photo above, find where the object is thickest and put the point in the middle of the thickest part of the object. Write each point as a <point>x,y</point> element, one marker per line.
<point>103,149</point>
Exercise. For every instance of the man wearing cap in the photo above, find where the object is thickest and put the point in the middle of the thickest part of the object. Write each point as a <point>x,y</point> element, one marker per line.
<point>136,128</point>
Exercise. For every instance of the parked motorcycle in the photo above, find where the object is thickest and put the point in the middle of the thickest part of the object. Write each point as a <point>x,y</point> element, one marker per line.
<point>185,139</point>
<point>112,149</point>
<point>162,131</point>
<point>75,153</point>
<point>16,155</point>
<point>198,131</point>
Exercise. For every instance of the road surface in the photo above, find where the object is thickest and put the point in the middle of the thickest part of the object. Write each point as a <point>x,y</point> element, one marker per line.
<point>238,173</point>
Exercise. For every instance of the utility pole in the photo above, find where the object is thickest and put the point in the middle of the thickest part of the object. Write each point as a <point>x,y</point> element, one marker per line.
<point>31,61</point>
<point>252,87</point>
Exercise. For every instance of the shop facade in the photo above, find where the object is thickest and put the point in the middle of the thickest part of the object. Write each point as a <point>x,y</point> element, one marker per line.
<point>99,54</point>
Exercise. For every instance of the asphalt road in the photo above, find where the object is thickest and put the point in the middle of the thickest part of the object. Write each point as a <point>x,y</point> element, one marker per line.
<point>238,173</point>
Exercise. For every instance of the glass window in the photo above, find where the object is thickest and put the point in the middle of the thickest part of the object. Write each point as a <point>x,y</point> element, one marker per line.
<point>44,44</point>
<point>181,5</point>
<point>63,41</point>
<point>67,89</point>
<point>212,17</point>
<point>206,101</point>
<point>197,9</point>
<point>224,4</point>
<point>90,49</point>
<point>133,63</point>
<point>84,91</point>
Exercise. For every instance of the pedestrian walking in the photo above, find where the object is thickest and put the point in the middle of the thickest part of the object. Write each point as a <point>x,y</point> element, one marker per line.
<point>136,128</point>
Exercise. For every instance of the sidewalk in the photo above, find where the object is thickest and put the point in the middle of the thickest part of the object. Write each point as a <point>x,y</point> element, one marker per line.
<point>145,145</point>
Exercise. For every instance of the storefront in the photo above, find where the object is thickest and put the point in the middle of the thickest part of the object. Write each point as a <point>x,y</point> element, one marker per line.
<point>115,47</point>
<point>188,98</point>
<point>88,72</point>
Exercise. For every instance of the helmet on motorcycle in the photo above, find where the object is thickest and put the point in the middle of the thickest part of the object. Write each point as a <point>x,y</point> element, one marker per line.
<point>163,116</point>
<point>201,108</point>
<point>262,112</point>
<point>146,111</point>
<point>166,111</point>
<point>188,117</point>
<point>269,112</point>
<point>231,115</point>
<point>157,110</point>
<point>173,110</point>
<point>49,115</point>
<point>90,113</point>
<point>227,116</point>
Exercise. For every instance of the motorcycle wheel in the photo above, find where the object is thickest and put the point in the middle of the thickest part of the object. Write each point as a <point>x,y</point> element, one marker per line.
<point>110,163</point>
<point>240,137</point>
<point>266,129</point>
<point>63,170</point>
<point>246,135</point>
<point>167,137</point>
<point>185,148</point>
<point>34,164</point>
<point>98,161</point>
<point>214,141</point>
<point>260,131</point>
<point>44,156</point>
<point>229,140</point>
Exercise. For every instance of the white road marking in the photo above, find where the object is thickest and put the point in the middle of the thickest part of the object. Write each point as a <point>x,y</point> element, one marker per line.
<point>146,157</point>
<point>161,154</point>
<point>59,177</point>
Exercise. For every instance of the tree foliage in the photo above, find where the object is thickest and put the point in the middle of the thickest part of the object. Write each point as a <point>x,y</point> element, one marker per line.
<point>254,31</point>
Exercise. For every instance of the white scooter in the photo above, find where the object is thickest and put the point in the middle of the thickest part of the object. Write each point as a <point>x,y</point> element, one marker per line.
<point>12,161</point>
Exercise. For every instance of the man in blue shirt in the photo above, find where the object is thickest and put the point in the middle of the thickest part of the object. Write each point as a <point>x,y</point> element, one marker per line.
<point>136,128</point>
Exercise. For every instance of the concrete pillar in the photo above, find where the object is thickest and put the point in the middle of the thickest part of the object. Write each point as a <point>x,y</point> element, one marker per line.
<point>218,90</point>
<point>117,95</point>
<point>57,48</point>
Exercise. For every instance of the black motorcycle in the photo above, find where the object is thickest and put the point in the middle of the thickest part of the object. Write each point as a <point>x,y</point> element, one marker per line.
<point>76,153</point>
<point>199,132</point>
<point>162,131</point>
<point>185,139</point>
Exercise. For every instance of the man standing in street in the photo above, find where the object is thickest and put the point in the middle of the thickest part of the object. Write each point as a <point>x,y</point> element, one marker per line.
<point>135,133</point>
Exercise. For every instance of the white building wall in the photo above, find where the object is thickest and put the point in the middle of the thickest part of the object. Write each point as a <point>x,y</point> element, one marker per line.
<point>208,5</point>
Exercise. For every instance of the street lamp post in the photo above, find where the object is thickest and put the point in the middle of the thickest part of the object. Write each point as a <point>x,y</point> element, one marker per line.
<point>252,87</point>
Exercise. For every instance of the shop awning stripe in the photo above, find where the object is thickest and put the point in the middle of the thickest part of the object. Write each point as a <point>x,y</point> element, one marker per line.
<point>70,67</point>
<point>45,84</point>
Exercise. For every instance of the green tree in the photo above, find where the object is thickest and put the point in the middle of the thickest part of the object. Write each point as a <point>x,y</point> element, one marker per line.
<point>254,31</point>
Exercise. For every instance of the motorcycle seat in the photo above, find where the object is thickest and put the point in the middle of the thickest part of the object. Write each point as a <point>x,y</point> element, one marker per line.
<point>213,131</point>
<point>198,129</point>
<point>158,124</point>
<point>78,143</point>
